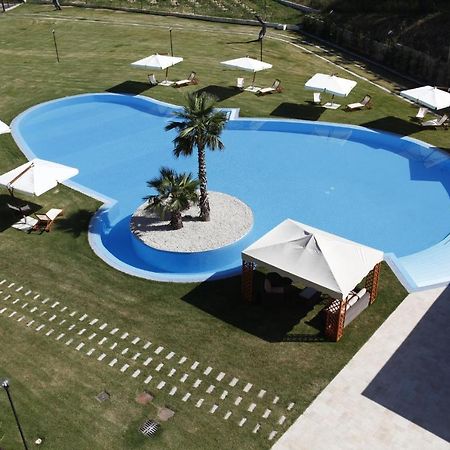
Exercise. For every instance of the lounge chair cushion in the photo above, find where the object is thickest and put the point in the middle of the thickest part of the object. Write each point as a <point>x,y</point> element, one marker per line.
<point>25,224</point>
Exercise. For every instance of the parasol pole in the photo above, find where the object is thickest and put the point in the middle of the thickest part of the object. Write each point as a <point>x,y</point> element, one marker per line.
<point>171,43</point>
<point>253,81</point>
<point>10,184</point>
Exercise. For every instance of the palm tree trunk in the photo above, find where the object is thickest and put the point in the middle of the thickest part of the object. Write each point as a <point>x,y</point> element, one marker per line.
<point>176,221</point>
<point>204,202</point>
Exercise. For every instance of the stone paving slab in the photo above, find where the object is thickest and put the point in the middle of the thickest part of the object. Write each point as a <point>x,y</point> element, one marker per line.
<point>385,398</point>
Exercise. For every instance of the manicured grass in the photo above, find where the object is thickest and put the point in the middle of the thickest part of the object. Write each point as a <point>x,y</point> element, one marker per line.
<point>274,345</point>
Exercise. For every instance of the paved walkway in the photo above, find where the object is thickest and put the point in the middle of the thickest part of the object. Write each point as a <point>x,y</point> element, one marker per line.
<point>394,393</point>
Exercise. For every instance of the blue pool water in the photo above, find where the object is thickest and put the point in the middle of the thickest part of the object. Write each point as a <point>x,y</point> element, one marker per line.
<point>378,189</point>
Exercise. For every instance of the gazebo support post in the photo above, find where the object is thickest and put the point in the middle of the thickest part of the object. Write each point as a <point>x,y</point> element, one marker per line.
<point>247,281</point>
<point>372,282</point>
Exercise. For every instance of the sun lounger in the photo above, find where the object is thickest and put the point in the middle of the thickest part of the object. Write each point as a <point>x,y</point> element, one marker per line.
<point>191,79</point>
<point>438,122</point>
<point>316,98</point>
<point>45,221</point>
<point>240,83</point>
<point>276,87</point>
<point>25,224</point>
<point>22,210</point>
<point>152,79</point>
<point>364,103</point>
<point>421,113</point>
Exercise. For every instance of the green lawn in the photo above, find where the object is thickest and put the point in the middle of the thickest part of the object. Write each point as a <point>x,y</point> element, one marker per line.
<point>275,346</point>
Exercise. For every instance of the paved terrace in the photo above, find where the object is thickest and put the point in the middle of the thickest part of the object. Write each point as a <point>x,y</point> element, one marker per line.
<point>394,393</point>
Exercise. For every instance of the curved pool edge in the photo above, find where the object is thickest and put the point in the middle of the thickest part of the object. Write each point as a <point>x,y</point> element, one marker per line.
<point>407,268</point>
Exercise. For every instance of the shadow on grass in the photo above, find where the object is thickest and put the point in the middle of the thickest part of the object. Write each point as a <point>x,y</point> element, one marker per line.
<point>297,111</point>
<point>130,87</point>
<point>7,216</point>
<point>271,317</point>
<point>76,224</point>
<point>393,125</point>
<point>221,92</point>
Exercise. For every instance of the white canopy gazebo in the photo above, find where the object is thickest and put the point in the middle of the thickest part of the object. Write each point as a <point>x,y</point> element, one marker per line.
<point>249,65</point>
<point>158,62</point>
<point>429,96</point>
<point>314,258</point>
<point>330,84</point>
<point>36,177</point>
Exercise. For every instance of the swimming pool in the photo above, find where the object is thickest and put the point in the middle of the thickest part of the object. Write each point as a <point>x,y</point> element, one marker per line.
<point>375,188</point>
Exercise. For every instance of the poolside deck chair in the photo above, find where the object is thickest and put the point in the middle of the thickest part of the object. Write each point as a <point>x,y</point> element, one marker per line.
<point>152,79</point>
<point>316,98</point>
<point>240,83</point>
<point>421,113</point>
<point>276,87</point>
<point>191,79</point>
<point>366,102</point>
<point>22,210</point>
<point>45,221</point>
<point>438,122</point>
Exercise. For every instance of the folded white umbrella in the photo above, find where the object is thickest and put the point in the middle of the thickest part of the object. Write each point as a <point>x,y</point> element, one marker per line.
<point>158,62</point>
<point>428,96</point>
<point>4,128</point>
<point>36,176</point>
<point>247,64</point>
<point>330,84</point>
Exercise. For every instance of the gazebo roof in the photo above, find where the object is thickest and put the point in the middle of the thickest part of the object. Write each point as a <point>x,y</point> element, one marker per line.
<point>324,261</point>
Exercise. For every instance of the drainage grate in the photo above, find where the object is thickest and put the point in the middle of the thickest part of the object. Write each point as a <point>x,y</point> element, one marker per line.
<point>149,428</point>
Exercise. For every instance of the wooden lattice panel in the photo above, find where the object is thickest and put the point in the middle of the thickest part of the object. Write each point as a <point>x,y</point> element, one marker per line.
<point>334,319</point>
<point>372,280</point>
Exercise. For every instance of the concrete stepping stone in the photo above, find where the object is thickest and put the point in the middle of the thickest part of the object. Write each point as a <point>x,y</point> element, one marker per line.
<point>247,387</point>
<point>93,321</point>
<point>197,383</point>
<point>211,388</point>
<point>55,305</point>
<point>124,335</point>
<point>227,415</point>
<point>224,395</point>
<point>161,385</point>
<point>23,306</point>
<point>290,406</point>
<point>275,400</point>
<point>113,362</point>
<point>89,352</point>
<point>266,413</point>
<point>63,309</point>
<point>81,331</point>
<point>213,408</point>
<point>234,381</point>
<point>186,397</point>
<point>3,281</point>
<point>62,322</point>
<point>101,357</point>
<point>69,341</point>
<point>182,360</point>
<point>125,351</point>
<point>60,336</point>
<point>32,310</point>
<point>113,346</point>
<point>124,368</point>
<point>52,318</point>
<point>238,400</point>
<point>92,336</point>
<point>136,373</point>
<point>83,317</point>
<point>49,332</point>
<point>281,420</point>
<point>72,314</point>
<point>3,310</point>
<point>30,323</point>
<point>242,421</point>
<point>148,379</point>
<point>20,319</point>
<point>102,341</point>
<point>8,296</point>
<point>184,377</point>
<point>102,327</point>
<point>220,376</point>
<point>256,429</point>
<point>28,292</point>
<point>147,361</point>
<point>17,300</point>
<point>159,367</point>
<point>170,355</point>
<point>43,313</point>
<point>135,340</point>
<point>71,327</point>
<point>11,285</point>
<point>272,435</point>
<point>199,403</point>
<point>80,346</point>
<point>172,372</point>
<point>114,331</point>
<point>147,345</point>
<point>195,365</point>
<point>159,350</point>
<point>173,391</point>
<point>36,296</point>
<point>252,407</point>
<point>19,288</point>
<point>136,356</point>
<point>207,371</point>
<point>13,314</point>
<point>261,393</point>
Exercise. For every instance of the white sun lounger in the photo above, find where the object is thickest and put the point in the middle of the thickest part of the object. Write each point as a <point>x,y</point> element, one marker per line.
<point>438,122</point>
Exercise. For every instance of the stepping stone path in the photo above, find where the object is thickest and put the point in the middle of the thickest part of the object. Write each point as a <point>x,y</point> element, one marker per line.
<point>159,350</point>
<point>124,368</point>
<point>242,421</point>
<point>220,376</point>
<point>234,381</point>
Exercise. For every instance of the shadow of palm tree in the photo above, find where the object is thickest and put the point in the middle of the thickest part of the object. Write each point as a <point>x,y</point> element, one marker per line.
<point>130,87</point>
<point>76,224</point>
<point>297,111</point>
<point>220,92</point>
<point>8,216</point>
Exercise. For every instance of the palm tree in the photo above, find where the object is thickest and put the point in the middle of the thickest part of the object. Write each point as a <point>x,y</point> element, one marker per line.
<point>175,193</point>
<point>199,125</point>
